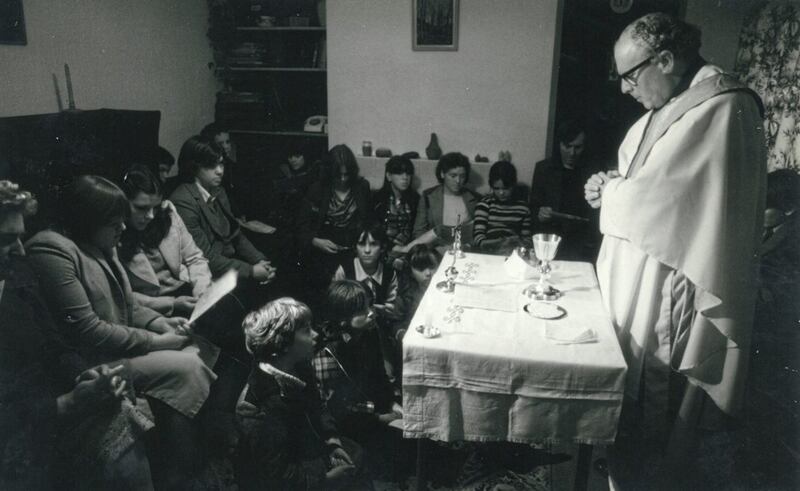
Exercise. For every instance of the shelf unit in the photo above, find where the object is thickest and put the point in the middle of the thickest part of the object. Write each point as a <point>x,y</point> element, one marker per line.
<point>270,58</point>
<point>304,134</point>
<point>279,28</point>
<point>269,69</point>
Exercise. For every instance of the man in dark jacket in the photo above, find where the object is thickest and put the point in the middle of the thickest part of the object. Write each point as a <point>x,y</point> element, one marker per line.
<point>557,200</point>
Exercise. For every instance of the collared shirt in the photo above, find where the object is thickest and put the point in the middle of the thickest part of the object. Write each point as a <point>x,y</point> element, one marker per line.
<point>372,281</point>
<point>207,197</point>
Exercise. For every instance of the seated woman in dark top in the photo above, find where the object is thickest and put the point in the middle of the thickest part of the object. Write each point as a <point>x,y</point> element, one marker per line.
<point>88,293</point>
<point>61,421</point>
<point>290,439</point>
<point>395,205</point>
<point>204,207</point>
<point>442,207</point>
<point>329,220</point>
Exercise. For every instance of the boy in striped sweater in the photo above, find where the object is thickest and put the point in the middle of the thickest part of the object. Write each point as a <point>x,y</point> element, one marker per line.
<point>502,222</point>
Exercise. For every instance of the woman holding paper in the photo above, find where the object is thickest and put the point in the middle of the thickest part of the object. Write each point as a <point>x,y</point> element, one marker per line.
<point>88,293</point>
<point>167,271</point>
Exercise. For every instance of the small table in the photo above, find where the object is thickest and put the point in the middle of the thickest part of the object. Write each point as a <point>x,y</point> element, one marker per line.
<point>493,376</point>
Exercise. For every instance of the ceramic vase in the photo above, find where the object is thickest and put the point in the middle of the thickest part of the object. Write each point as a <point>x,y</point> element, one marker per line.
<point>433,151</point>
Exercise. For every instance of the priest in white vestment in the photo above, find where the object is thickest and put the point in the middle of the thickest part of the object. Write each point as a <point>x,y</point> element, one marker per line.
<point>681,223</point>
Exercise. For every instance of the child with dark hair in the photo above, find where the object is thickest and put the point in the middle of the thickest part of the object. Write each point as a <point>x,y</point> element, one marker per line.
<point>349,367</point>
<point>502,222</point>
<point>290,439</point>
<point>351,377</point>
<point>422,264</point>
<point>396,204</point>
<point>369,268</point>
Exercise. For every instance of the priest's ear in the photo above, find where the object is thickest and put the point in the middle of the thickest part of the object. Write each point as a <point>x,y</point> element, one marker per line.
<point>666,62</point>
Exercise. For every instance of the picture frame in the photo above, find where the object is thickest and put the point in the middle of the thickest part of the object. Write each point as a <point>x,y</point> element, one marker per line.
<point>434,25</point>
<point>12,23</point>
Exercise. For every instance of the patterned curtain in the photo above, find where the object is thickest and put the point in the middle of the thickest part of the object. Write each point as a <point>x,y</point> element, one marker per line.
<point>769,62</point>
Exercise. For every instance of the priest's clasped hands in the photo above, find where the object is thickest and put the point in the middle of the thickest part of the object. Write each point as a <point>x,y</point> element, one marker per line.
<point>593,189</point>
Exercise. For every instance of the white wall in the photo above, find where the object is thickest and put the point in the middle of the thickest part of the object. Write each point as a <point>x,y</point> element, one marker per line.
<point>123,54</point>
<point>721,22</point>
<point>494,93</point>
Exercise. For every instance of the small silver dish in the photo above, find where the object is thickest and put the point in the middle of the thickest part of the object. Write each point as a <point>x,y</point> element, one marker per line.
<point>555,311</point>
<point>429,331</point>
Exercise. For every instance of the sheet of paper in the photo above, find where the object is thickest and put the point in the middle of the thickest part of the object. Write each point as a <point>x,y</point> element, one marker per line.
<point>397,423</point>
<point>216,290</point>
<point>487,297</point>
<point>566,331</point>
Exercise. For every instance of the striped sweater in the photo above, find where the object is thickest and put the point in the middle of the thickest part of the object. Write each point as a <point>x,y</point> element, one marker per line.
<point>494,220</point>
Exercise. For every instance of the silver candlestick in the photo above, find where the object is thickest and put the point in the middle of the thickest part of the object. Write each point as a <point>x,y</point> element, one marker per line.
<point>456,249</point>
<point>449,284</point>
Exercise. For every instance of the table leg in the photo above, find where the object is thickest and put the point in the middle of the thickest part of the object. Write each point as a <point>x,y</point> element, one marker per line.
<point>583,467</point>
<point>422,478</point>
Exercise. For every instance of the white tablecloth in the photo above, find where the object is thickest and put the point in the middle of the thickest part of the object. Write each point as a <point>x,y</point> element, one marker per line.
<point>492,375</point>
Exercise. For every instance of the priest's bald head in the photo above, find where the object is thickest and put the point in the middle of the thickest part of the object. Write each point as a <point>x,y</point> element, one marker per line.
<point>652,55</point>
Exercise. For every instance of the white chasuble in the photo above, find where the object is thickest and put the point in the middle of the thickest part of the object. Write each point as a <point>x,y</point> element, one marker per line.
<point>694,209</point>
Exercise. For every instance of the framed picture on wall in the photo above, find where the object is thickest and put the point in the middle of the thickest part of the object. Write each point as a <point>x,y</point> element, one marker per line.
<point>12,23</point>
<point>435,25</point>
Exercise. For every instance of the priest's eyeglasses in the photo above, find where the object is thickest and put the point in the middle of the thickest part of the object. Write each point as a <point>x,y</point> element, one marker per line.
<point>633,78</point>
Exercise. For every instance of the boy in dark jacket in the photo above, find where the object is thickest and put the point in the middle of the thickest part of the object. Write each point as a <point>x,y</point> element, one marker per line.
<point>352,379</point>
<point>290,440</point>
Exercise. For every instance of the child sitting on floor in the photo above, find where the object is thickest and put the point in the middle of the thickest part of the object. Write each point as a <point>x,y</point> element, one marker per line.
<point>502,222</point>
<point>349,366</point>
<point>369,268</point>
<point>422,264</point>
<point>290,439</point>
<point>351,376</point>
